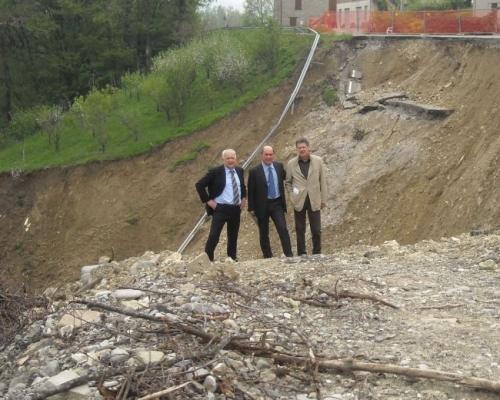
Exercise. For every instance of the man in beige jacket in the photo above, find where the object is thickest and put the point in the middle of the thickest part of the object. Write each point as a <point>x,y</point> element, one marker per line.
<point>306,183</point>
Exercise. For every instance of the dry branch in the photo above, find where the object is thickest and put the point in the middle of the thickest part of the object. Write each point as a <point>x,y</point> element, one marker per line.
<point>314,302</point>
<point>166,391</point>
<point>350,365</point>
<point>354,295</point>
<point>123,371</point>
<point>445,306</point>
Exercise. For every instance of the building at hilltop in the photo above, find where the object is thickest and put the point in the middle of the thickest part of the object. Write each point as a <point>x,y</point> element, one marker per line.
<point>298,12</point>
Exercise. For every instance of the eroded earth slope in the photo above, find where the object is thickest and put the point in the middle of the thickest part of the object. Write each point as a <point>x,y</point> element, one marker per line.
<point>392,174</point>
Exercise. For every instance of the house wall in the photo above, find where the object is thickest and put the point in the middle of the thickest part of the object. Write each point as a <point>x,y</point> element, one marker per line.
<point>351,14</point>
<point>285,12</point>
<point>485,4</point>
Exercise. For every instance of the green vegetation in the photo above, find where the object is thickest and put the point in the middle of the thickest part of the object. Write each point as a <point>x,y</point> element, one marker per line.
<point>330,96</point>
<point>185,158</point>
<point>132,220</point>
<point>418,5</point>
<point>54,51</point>
<point>188,89</point>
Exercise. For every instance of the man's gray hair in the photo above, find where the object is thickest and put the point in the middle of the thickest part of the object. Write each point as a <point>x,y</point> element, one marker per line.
<point>226,150</point>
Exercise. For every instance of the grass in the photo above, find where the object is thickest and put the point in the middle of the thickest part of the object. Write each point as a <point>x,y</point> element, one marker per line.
<point>78,146</point>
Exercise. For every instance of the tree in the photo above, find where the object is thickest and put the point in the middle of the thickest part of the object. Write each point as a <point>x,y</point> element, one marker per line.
<point>160,92</point>
<point>257,12</point>
<point>177,68</point>
<point>49,119</point>
<point>23,31</point>
<point>231,62</point>
<point>22,126</point>
<point>267,46</point>
<point>97,107</point>
<point>218,17</point>
<point>133,82</point>
<point>131,119</point>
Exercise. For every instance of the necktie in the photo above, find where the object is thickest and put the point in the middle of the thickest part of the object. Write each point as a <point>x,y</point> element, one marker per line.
<point>236,192</point>
<point>271,189</point>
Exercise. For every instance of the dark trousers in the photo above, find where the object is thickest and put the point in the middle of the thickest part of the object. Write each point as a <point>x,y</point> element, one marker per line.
<point>314,224</point>
<point>276,212</point>
<point>223,214</point>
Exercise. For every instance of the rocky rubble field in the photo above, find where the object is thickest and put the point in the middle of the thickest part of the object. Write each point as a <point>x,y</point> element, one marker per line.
<point>318,327</point>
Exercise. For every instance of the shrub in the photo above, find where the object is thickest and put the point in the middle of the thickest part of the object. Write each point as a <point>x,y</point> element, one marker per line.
<point>330,97</point>
<point>184,159</point>
<point>199,146</point>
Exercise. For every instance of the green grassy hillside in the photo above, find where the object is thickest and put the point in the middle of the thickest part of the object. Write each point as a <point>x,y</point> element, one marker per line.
<point>146,125</point>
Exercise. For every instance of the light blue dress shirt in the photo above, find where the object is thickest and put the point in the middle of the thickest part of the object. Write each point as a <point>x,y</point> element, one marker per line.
<point>226,197</point>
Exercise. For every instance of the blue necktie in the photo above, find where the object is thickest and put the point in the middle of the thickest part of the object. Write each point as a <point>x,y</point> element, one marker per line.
<point>271,189</point>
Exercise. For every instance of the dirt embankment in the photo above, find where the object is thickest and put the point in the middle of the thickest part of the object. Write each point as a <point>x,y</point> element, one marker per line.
<point>392,174</point>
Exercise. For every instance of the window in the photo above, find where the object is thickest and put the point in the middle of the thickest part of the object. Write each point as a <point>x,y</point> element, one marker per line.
<point>293,21</point>
<point>298,4</point>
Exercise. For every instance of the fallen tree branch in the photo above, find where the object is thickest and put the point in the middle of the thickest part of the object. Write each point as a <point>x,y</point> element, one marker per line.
<point>314,302</point>
<point>353,295</point>
<point>441,307</point>
<point>350,365</point>
<point>189,329</point>
<point>166,391</point>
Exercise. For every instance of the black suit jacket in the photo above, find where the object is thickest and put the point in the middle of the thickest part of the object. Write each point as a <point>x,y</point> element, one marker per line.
<point>215,182</point>
<point>257,188</point>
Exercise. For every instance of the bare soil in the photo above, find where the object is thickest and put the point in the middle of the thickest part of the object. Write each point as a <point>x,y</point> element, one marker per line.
<point>392,174</point>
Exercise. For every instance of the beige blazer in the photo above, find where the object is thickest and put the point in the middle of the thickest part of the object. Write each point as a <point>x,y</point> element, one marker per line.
<point>299,187</point>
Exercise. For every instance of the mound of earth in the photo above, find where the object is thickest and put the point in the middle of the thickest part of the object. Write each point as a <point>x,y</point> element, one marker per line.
<point>393,174</point>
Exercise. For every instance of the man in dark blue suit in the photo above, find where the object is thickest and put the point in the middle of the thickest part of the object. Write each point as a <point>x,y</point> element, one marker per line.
<point>266,198</point>
<point>224,201</point>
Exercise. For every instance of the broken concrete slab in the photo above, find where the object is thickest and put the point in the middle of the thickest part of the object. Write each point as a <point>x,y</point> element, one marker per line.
<point>429,111</point>
<point>356,74</point>
<point>353,87</point>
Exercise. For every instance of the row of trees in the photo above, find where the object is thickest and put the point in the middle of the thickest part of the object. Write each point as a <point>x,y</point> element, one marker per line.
<point>197,70</point>
<point>55,55</point>
<point>51,51</point>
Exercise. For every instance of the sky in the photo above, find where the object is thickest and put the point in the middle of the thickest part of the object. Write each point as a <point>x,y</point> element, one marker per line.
<point>236,4</point>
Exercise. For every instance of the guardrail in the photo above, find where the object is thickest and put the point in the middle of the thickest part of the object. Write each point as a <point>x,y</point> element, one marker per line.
<point>269,134</point>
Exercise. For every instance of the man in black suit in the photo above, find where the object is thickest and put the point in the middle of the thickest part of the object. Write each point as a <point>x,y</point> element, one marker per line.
<point>266,198</point>
<point>224,201</point>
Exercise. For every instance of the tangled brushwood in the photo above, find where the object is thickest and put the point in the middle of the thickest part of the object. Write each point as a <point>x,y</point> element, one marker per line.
<point>17,311</point>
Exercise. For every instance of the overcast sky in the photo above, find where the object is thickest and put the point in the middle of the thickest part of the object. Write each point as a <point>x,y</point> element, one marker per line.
<point>236,4</point>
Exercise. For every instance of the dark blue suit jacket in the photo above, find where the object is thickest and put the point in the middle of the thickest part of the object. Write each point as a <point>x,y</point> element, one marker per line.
<point>215,182</point>
<point>257,188</point>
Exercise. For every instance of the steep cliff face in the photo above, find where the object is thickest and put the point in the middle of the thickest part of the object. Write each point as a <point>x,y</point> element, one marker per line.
<point>393,174</point>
